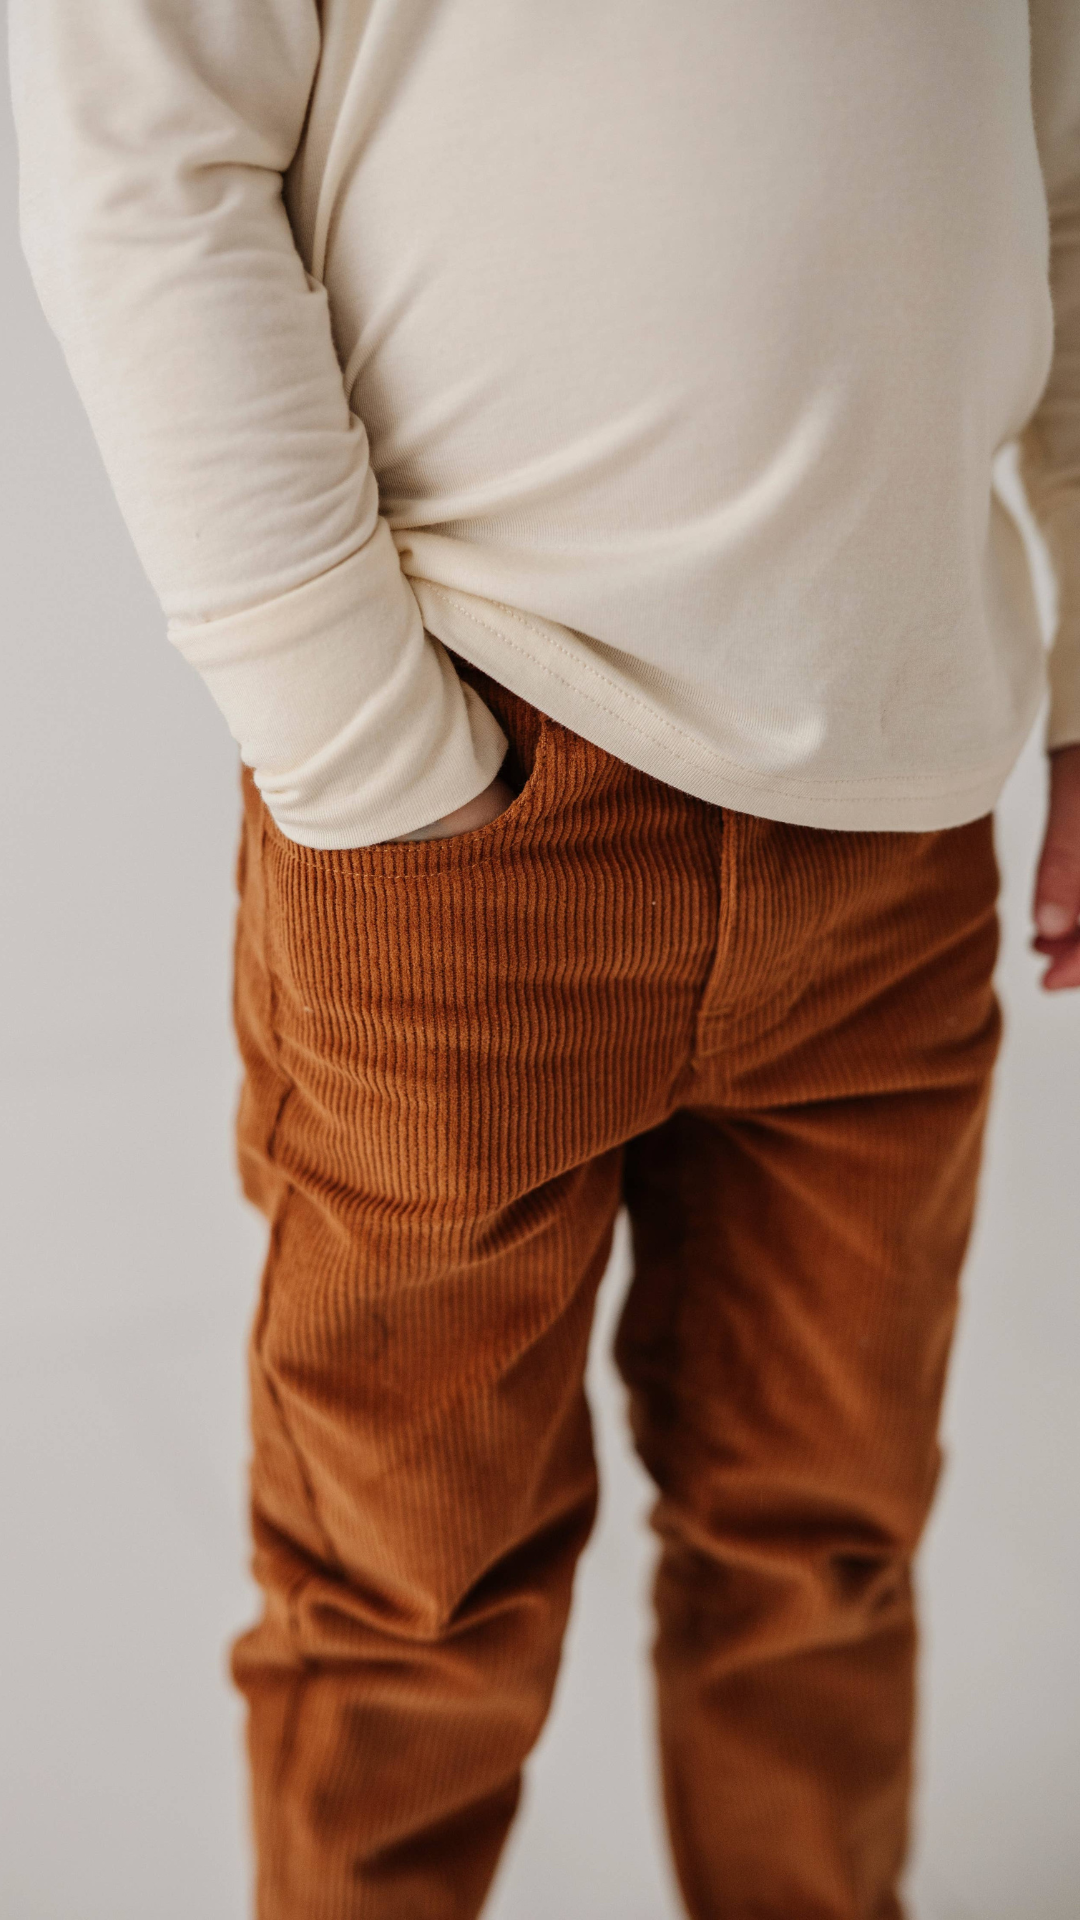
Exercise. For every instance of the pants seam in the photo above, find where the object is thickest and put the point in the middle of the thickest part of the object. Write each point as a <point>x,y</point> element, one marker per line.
<point>286,1193</point>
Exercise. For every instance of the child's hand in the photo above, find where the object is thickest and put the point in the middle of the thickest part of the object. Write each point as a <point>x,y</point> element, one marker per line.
<point>1056,902</point>
<point>475,813</point>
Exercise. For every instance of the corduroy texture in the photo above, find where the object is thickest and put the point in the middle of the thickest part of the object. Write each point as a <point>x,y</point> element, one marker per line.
<point>775,1044</point>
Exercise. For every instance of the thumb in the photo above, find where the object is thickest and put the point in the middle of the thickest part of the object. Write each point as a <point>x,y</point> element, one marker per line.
<point>1056,903</point>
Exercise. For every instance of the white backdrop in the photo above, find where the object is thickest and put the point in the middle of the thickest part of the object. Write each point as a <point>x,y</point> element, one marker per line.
<point>129,1266</point>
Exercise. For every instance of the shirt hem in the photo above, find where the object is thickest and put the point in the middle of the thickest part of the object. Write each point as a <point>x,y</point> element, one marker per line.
<point>620,722</point>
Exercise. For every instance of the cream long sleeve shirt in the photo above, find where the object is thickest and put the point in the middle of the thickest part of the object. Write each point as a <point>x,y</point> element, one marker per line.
<point>652,354</point>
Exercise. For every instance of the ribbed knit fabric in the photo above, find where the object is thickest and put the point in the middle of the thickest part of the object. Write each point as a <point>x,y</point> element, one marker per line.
<point>774,1043</point>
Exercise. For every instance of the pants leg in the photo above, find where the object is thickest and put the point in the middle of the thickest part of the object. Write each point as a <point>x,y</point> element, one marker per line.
<point>446,1044</point>
<point>421,1488</point>
<point>799,1225</point>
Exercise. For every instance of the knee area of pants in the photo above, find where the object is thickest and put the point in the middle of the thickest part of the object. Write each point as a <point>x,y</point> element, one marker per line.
<point>329,1599</point>
<point>823,1594</point>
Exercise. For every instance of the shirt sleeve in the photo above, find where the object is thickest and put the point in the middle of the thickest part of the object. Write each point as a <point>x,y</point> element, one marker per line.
<point>153,138</point>
<point>1050,443</point>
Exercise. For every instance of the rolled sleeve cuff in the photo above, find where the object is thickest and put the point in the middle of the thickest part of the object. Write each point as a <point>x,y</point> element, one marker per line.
<point>351,716</point>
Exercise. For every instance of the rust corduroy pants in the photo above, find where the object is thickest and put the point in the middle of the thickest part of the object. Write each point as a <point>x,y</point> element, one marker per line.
<point>773,1044</point>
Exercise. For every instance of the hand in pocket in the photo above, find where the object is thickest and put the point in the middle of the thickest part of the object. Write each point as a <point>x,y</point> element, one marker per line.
<point>477,812</point>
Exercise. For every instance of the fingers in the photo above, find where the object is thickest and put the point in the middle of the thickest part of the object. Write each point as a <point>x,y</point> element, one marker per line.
<point>1056,901</point>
